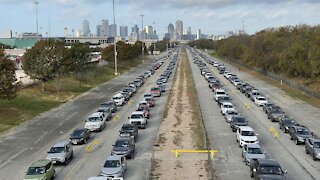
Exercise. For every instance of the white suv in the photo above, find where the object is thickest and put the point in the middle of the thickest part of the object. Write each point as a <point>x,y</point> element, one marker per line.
<point>246,135</point>
<point>226,106</point>
<point>218,93</point>
<point>118,99</point>
<point>96,121</point>
<point>138,119</point>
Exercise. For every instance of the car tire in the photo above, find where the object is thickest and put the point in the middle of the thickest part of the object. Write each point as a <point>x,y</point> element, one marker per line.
<point>251,173</point>
<point>314,157</point>
<point>65,161</point>
<point>85,141</point>
<point>54,175</point>
<point>306,150</point>
<point>71,157</point>
<point>297,142</point>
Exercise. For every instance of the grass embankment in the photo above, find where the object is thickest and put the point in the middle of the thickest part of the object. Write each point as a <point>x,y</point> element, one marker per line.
<point>292,92</point>
<point>31,101</point>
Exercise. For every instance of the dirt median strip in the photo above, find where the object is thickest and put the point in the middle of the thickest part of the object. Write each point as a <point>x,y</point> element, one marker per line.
<point>181,129</point>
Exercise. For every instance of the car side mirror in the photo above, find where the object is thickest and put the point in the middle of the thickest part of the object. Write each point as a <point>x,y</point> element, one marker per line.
<point>257,134</point>
<point>285,171</point>
<point>128,117</point>
<point>254,170</point>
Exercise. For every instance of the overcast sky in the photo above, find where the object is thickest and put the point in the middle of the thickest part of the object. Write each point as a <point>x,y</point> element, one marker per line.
<point>211,16</point>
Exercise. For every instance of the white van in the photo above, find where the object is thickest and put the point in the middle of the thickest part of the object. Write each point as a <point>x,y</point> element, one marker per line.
<point>96,121</point>
<point>218,93</point>
<point>118,99</point>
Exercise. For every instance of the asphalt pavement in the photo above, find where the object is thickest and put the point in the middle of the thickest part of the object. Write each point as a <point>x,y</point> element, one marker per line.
<point>228,163</point>
<point>30,141</point>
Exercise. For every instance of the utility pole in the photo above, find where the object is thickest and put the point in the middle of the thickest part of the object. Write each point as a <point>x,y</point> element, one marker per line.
<point>115,46</point>
<point>142,35</point>
<point>154,44</point>
<point>36,2</point>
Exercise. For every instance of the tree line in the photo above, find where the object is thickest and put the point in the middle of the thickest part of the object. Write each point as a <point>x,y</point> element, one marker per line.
<point>51,60</point>
<point>293,51</point>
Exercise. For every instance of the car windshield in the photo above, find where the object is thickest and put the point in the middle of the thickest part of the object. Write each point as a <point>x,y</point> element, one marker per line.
<point>221,93</point>
<point>254,151</point>
<point>270,170</point>
<point>122,143</point>
<point>154,89</point>
<point>117,97</point>
<point>36,170</point>
<point>240,120</point>
<point>78,133</point>
<point>127,128</point>
<point>136,116</point>
<point>247,133</point>
<point>303,131</point>
<point>228,106</point>
<point>232,113</point>
<point>316,145</point>
<point>112,164</point>
<point>56,150</point>
<point>261,99</point>
<point>289,122</point>
<point>147,95</point>
<point>93,119</point>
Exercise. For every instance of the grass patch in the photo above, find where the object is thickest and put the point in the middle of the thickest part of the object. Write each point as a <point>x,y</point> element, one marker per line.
<point>31,101</point>
<point>154,166</point>
<point>197,125</point>
<point>292,92</point>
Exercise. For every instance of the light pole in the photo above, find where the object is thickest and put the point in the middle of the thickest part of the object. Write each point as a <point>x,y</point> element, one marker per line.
<point>36,2</point>
<point>154,35</point>
<point>142,35</point>
<point>115,46</point>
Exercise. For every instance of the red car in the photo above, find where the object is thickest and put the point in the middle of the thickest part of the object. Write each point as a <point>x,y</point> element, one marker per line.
<point>145,109</point>
<point>151,101</point>
<point>156,91</point>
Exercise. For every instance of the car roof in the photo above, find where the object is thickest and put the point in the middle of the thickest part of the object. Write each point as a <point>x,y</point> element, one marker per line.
<point>40,163</point>
<point>124,138</point>
<point>114,157</point>
<point>246,128</point>
<point>95,114</point>
<point>220,90</point>
<point>268,162</point>
<point>80,129</point>
<point>261,97</point>
<point>226,103</point>
<point>61,143</point>
<point>253,145</point>
<point>137,112</point>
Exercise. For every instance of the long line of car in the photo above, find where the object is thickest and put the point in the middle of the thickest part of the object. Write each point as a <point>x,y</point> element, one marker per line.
<point>124,147</point>
<point>252,152</point>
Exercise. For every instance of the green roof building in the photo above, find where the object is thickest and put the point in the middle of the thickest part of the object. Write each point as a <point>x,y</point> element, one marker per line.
<point>19,43</point>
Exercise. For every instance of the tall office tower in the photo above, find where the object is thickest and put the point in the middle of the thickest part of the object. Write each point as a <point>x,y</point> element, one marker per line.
<point>189,31</point>
<point>135,31</point>
<point>104,28</point>
<point>170,31</point>
<point>98,29</point>
<point>86,28</point>
<point>113,30</point>
<point>66,32</point>
<point>123,31</point>
<point>149,31</point>
<point>179,29</point>
<point>199,34</point>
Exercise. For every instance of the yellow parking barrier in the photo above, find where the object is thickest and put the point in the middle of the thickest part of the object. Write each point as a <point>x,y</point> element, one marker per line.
<point>130,102</point>
<point>89,148</point>
<point>116,117</point>
<point>273,131</point>
<point>247,105</point>
<point>177,151</point>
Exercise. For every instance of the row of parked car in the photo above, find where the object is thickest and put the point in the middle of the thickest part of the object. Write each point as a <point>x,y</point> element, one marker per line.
<point>62,151</point>
<point>115,165</point>
<point>252,152</point>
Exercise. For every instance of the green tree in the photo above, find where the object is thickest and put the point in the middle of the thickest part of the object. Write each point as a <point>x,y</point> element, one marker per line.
<point>46,61</point>
<point>78,58</point>
<point>8,85</point>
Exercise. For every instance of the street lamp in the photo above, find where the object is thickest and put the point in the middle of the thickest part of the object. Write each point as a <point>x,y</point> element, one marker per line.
<point>142,34</point>
<point>115,46</point>
<point>154,36</point>
<point>36,2</point>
